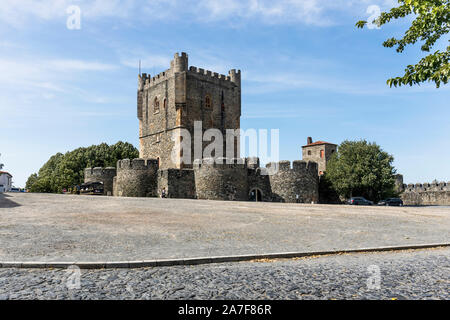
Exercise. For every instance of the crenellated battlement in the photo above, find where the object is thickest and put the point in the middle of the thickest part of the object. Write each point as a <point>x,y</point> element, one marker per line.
<point>136,178</point>
<point>420,194</point>
<point>233,77</point>
<point>297,165</point>
<point>180,64</point>
<point>137,164</point>
<point>296,183</point>
<point>99,172</point>
<point>221,179</point>
<point>187,94</point>
<point>148,81</point>
<point>419,187</point>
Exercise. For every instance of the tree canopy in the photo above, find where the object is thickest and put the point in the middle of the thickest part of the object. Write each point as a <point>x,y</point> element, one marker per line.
<point>66,170</point>
<point>360,168</point>
<point>432,20</point>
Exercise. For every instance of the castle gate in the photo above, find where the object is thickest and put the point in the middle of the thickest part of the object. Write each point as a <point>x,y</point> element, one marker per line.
<point>255,195</point>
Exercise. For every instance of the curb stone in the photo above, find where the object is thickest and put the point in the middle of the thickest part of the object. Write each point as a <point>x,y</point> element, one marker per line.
<point>206,260</point>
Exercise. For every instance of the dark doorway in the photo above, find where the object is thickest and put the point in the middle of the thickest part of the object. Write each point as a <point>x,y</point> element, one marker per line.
<point>255,195</point>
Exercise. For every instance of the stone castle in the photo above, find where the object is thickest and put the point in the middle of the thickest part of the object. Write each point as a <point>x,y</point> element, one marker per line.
<point>175,99</point>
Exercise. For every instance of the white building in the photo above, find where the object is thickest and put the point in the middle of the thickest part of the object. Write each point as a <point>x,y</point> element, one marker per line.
<point>5,181</point>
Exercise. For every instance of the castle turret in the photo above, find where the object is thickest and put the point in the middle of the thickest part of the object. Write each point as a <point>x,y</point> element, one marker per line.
<point>180,63</point>
<point>136,178</point>
<point>235,76</point>
<point>399,183</point>
<point>221,179</point>
<point>297,184</point>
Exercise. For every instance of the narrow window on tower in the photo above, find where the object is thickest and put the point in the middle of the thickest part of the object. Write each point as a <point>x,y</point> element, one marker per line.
<point>322,154</point>
<point>165,105</point>
<point>156,105</point>
<point>208,102</point>
<point>146,109</point>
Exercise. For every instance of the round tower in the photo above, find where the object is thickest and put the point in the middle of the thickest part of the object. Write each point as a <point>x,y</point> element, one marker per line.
<point>136,178</point>
<point>235,76</point>
<point>297,184</point>
<point>104,175</point>
<point>180,63</point>
<point>399,183</point>
<point>221,179</point>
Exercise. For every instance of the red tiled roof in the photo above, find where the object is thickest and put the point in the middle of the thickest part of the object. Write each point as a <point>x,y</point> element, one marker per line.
<point>318,143</point>
<point>4,172</point>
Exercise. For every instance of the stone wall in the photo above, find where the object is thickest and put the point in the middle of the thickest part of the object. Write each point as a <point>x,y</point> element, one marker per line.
<point>182,93</point>
<point>224,111</point>
<point>136,178</point>
<point>315,156</point>
<point>104,175</point>
<point>215,179</point>
<point>426,194</point>
<point>157,126</point>
<point>177,183</point>
<point>258,180</point>
<point>286,182</point>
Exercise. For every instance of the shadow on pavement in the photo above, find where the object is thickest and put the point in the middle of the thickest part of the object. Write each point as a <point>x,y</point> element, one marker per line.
<point>6,203</point>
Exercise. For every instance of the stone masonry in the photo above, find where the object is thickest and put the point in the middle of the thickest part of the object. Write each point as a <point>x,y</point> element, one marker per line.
<point>319,152</point>
<point>220,179</point>
<point>104,175</point>
<point>175,99</point>
<point>171,102</point>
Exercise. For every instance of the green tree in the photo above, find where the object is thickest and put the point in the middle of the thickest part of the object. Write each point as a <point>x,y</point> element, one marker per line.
<point>66,170</point>
<point>32,182</point>
<point>432,20</point>
<point>360,168</point>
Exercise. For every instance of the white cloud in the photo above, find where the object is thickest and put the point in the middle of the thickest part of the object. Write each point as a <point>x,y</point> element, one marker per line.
<point>78,65</point>
<point>24,81</point>
<point>147,61</point>
<point>257,84</point>
<point>44,73</point>
<point>311,12</point>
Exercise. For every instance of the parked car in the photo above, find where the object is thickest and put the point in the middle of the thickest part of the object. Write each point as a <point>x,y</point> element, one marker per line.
<point>359,201</point>
<point>14,190</point>
<point>391,202</point>
<point>92,188</point>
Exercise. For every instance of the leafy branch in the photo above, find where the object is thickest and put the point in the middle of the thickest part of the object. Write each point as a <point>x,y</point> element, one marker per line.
<point>432,20</point>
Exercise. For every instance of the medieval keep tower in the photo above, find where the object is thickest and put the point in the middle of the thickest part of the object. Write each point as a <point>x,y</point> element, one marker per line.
<point>176,98</point>
<point>177,103</point>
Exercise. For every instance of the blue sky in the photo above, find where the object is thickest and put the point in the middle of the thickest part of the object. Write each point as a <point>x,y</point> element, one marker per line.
<point>306,71</point>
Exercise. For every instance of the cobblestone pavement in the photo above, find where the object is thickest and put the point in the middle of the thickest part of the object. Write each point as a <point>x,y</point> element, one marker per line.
<point>46,228</point>
<point>419,274</point>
